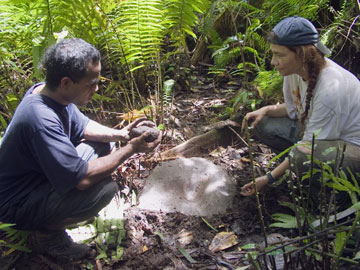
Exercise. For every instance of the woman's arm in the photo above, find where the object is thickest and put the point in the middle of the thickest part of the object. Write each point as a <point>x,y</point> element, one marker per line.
<point>255,117</point>
<point>262,181</point>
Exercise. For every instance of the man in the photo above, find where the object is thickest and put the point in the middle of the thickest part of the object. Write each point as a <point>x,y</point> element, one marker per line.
<point>55,163</point>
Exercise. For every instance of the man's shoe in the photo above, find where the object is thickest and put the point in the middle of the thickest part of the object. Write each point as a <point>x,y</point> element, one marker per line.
<point>58,244</point>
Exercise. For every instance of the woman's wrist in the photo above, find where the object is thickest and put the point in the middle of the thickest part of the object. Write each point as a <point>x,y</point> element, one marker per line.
<point>270,178</point>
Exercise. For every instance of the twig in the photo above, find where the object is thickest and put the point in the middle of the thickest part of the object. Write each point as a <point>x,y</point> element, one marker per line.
<point>333,256</point>
<point>317,234</point>
<point>255,188</point>
<point>237,134</point>
<point>352,229</point>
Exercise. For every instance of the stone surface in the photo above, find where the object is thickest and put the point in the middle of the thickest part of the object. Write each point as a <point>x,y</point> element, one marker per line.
<point>192,186</point>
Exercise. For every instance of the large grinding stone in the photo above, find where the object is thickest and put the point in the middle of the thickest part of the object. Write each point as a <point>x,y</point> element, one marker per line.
<point>192,186</point>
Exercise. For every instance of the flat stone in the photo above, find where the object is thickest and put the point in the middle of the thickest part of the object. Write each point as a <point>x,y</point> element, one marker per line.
<point>192,186</point>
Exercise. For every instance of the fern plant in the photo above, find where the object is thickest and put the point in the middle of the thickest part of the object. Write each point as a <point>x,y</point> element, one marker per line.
<point>314,222</point>
<point>141,29</point>
<point>279,9</point>
<point>180,19</point>
<point>269,85</point>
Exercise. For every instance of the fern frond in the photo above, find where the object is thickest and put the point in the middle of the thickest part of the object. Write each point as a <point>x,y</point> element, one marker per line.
<point>142,31</point>
<point>181,17</point>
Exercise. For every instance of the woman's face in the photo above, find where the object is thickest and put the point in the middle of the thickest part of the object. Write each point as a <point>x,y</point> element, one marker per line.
<point>286,61</point>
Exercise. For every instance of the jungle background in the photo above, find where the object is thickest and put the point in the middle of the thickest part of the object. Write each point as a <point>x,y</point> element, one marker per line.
<point>187,65</point>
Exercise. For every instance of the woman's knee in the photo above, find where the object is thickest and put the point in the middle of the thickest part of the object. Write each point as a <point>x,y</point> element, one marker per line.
<point>299,157</point>
<point>264,128</point>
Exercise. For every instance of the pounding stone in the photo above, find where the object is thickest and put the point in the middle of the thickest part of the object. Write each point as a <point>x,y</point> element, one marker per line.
<point>192,186</point>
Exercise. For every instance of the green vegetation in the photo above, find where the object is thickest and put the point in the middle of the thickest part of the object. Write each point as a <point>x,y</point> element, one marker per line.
<point>145,43</point>
<point>324,232</point>
<point>145,47</point>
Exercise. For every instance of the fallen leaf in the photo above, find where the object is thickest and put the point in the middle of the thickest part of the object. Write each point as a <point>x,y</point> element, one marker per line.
<point>218,152</point>
<point>185,237</point>
<point>133,115</point>
<point>223,240</point>
<point>247,160</point>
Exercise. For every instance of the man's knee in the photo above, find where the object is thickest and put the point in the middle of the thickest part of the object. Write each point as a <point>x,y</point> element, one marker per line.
<point>92,150</point>
<point>81,204</point>
<point>110,189</point>
<point>102,195</point>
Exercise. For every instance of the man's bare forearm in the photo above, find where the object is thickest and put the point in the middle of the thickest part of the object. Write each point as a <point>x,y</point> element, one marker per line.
<point>99,168</point>
<point>99,133</point>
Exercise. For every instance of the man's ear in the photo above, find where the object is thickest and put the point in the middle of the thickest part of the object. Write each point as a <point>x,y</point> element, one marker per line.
<point>65,82</point>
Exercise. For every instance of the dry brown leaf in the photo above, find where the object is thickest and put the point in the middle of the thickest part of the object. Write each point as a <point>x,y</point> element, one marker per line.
<point>185,237</point>
<point>133,115</point>
<point>223,240</point>
<point>218,152</point>
<point>247,160</point>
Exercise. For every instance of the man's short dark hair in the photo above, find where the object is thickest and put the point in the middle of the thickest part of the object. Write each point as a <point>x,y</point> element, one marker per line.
<point>68,58</point>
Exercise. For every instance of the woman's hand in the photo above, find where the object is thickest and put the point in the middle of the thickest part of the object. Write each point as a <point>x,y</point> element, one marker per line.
<point>254,117</point>
<point>249,189</point>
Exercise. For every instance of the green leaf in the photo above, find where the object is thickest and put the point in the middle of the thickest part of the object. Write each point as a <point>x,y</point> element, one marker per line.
<point>209,225</point>
<point>186,255</point>
<point>339,241</point>
<point>278,251</point>
<point>18,247</point>
<point>356,206</point>
<point>161,236</point>
<point>284,221</point>
<point>357,256</point>
<point>249,246</point>
<point>5,225</point>
<point>13,101</point>
<point>117,254</point>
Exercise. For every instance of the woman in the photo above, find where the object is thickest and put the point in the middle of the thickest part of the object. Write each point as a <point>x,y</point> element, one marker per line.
<point>320,98</point>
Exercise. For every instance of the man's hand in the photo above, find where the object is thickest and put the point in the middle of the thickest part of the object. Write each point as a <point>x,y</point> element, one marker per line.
<point>125,132</point>
<point>249,189</point>
<point>141,143</point>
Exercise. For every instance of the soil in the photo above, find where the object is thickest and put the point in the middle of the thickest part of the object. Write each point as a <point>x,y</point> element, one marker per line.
<point>157,240</point>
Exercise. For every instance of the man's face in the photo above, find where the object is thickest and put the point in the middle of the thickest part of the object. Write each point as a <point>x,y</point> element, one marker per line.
<point>285,61</point>
<point>81,92</point>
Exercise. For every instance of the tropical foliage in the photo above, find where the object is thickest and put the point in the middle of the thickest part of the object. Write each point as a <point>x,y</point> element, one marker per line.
<point>142,41</point>
<point>145,46</point>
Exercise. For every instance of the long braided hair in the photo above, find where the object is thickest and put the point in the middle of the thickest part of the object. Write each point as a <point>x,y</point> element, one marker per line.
<point>313,61</point>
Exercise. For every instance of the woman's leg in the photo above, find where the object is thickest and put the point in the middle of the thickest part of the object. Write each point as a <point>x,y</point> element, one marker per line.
<point>279,133</point>
<point>331,152</point>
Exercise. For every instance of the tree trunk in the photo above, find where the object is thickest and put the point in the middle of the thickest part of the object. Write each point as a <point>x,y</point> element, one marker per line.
<point>204,143</point>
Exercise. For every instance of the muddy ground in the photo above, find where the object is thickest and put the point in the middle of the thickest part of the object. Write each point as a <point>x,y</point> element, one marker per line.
<point>173,241</point>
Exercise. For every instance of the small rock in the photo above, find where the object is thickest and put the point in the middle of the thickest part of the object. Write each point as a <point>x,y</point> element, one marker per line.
<point>136,132</point>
